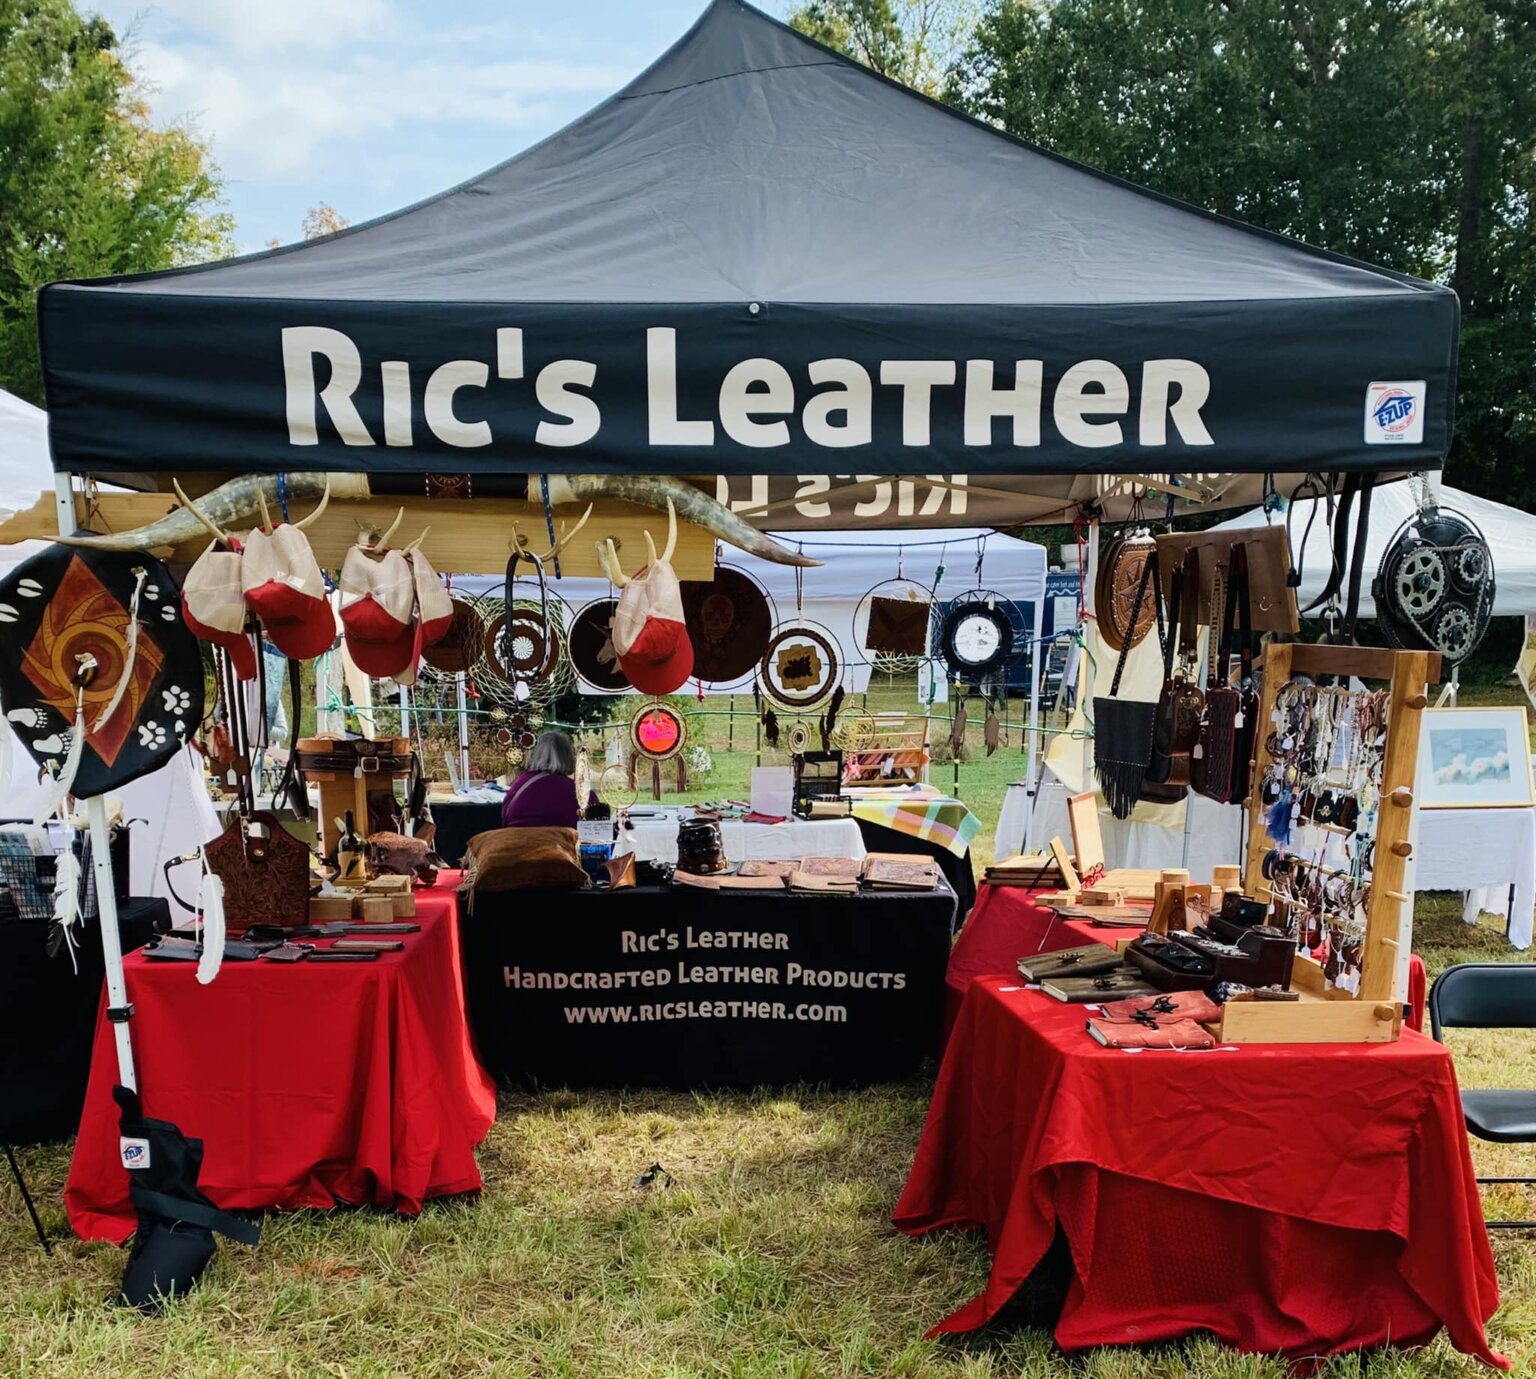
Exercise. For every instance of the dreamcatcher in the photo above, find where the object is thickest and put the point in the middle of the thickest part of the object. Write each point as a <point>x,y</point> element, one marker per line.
<point>891,621</point>
<point>1434,590</point>
<point>657,733</point>
<point>801,667</point>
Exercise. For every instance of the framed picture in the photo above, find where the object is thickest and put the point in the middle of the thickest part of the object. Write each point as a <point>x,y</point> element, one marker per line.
<point>1474,759</point>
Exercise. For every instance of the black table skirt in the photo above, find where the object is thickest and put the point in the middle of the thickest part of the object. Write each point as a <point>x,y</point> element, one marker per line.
<point>48,1019</point>
<point>686,988</point>
<point>957,870</point>
<point>457,822</point>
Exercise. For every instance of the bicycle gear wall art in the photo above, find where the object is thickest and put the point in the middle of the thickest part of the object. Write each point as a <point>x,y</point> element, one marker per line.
<point>1434,590</point>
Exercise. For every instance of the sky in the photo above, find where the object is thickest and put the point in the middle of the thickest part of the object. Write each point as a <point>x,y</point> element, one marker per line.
<point>369,105</point>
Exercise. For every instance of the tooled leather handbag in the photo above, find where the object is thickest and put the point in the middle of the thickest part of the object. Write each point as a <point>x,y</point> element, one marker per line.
<point>1122,728</point>
<point>1221,762</point>
<point>266,879</point>
<point>1176,728</point>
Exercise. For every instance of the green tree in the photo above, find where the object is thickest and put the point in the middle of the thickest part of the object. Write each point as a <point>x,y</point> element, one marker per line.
<point>1402,132</point>
<point>911,41</point>
<point>88,185</point>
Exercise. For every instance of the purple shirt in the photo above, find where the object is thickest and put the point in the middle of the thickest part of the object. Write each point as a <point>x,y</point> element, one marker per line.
<point>540,800</point>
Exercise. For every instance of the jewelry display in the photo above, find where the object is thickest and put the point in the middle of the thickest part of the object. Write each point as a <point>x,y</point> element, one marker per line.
<point>1321,795</point>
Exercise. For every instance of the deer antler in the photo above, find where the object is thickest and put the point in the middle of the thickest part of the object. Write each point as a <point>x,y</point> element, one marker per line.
<point>197,512</point>
<point>320,507</point>
<point>608,558</point>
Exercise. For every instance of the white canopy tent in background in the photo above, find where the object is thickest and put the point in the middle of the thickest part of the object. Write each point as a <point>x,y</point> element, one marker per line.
<point>25,469</point>
<point>854,562</point>
<point>173,804</point>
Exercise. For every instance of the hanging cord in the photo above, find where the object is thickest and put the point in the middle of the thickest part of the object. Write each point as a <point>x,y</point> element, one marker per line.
<point>549,520</point>
<point>282,495</point>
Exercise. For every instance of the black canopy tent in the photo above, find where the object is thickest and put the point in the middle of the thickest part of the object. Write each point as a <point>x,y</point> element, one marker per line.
<point>760,258</point>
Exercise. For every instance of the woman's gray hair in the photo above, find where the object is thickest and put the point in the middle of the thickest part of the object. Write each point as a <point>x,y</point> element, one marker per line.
<point>552,754</point>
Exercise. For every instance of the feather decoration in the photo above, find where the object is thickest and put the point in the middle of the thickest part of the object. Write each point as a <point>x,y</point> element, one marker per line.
<point>65,780</point>
<point>210,904</point>
<point>991,734</point>
<point>957,730</point>
<point>771,728</point>
<point>829,719</point>
<point>132,639</point>
<point>66,905</point>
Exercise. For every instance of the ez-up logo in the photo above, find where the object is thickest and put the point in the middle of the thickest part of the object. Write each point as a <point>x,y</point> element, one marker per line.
<point>1394,413</point>
<point>135,1152</point>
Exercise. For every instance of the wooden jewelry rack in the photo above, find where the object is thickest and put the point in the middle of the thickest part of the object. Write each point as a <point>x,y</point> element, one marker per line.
<point>1326,1014</point>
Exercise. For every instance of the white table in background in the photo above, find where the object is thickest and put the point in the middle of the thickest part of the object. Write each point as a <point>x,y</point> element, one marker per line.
<point>1482,853</point>
<point>655,840</point>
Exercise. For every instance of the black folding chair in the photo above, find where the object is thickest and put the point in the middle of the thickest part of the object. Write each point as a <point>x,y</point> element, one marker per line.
<point>1491,995</point>
<point>26,1197</point>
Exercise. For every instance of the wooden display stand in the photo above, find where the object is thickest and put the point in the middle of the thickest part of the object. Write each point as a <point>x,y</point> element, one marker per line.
<point>1324,1015</point>
<point>341,790</point>
<point>892,751</point>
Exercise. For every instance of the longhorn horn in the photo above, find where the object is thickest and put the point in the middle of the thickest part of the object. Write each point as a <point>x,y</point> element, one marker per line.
<point>228,506</point>
<point>690,504</point>
<point>609,559</point>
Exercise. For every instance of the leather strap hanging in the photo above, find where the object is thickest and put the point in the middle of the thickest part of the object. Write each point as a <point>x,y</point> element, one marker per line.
<point>1123,728</point>
<point>1221,761</point>
<point>291,784</point>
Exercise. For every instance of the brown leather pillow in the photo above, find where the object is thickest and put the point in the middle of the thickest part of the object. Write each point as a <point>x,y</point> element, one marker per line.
<point>514,859</point>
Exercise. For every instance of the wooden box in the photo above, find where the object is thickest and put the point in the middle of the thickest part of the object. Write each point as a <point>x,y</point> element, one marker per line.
<point>327,909</point>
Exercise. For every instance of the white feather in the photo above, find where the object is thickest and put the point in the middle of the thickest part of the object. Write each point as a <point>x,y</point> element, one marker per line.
<point>64,782</point>
<point>210,900</point>
<point>66,900</point>
<point>133,651</point>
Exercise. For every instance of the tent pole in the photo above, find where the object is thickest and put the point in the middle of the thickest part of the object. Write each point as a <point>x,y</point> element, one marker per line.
<point>1090,622</point>
<point>1032,785</point>
<point>118,1009</point>
<point>463,709</point>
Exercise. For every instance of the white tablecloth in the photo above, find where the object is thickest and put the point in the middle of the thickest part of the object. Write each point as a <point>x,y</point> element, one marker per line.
<point>1482,852</point>
<point>1479,852</point>
<point>655,840</point>
<point>1217,838</point>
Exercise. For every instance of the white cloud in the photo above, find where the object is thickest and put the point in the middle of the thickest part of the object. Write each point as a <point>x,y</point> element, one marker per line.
<point>304,89</point>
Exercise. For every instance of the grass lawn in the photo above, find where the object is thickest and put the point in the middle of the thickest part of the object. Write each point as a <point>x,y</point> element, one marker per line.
<point>771,1256</point>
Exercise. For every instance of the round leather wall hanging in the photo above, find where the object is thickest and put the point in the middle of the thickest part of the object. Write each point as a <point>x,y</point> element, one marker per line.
<point>658,732</point>
<point>1114,597</point>
<point>591,647</point>
<point>729,622</point>
<point>975,639</point>
<point>800,667</point>
<point>68,607</point>
<point>459,647</point>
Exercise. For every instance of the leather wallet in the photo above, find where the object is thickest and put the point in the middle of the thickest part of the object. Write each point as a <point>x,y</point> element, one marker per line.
<point>1176,1034</point>
<point>1087,961</point>
<point>1164,1009</point>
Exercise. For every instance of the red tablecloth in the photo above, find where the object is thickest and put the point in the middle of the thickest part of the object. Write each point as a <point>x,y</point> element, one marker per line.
<point>1304,1199</point>
<point>309,1085</point>
<point>1006,925</point>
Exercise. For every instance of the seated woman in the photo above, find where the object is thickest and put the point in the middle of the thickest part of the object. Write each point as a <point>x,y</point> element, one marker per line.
<point>544,795</point>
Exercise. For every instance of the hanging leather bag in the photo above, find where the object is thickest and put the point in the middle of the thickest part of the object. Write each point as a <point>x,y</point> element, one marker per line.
<point>1223,759</point>
<point>266,878</point>
<point>1181,707</point>
<point>1122,728</point>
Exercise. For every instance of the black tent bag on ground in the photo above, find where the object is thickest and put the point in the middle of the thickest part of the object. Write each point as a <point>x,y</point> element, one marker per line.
<point>173,1243</point>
